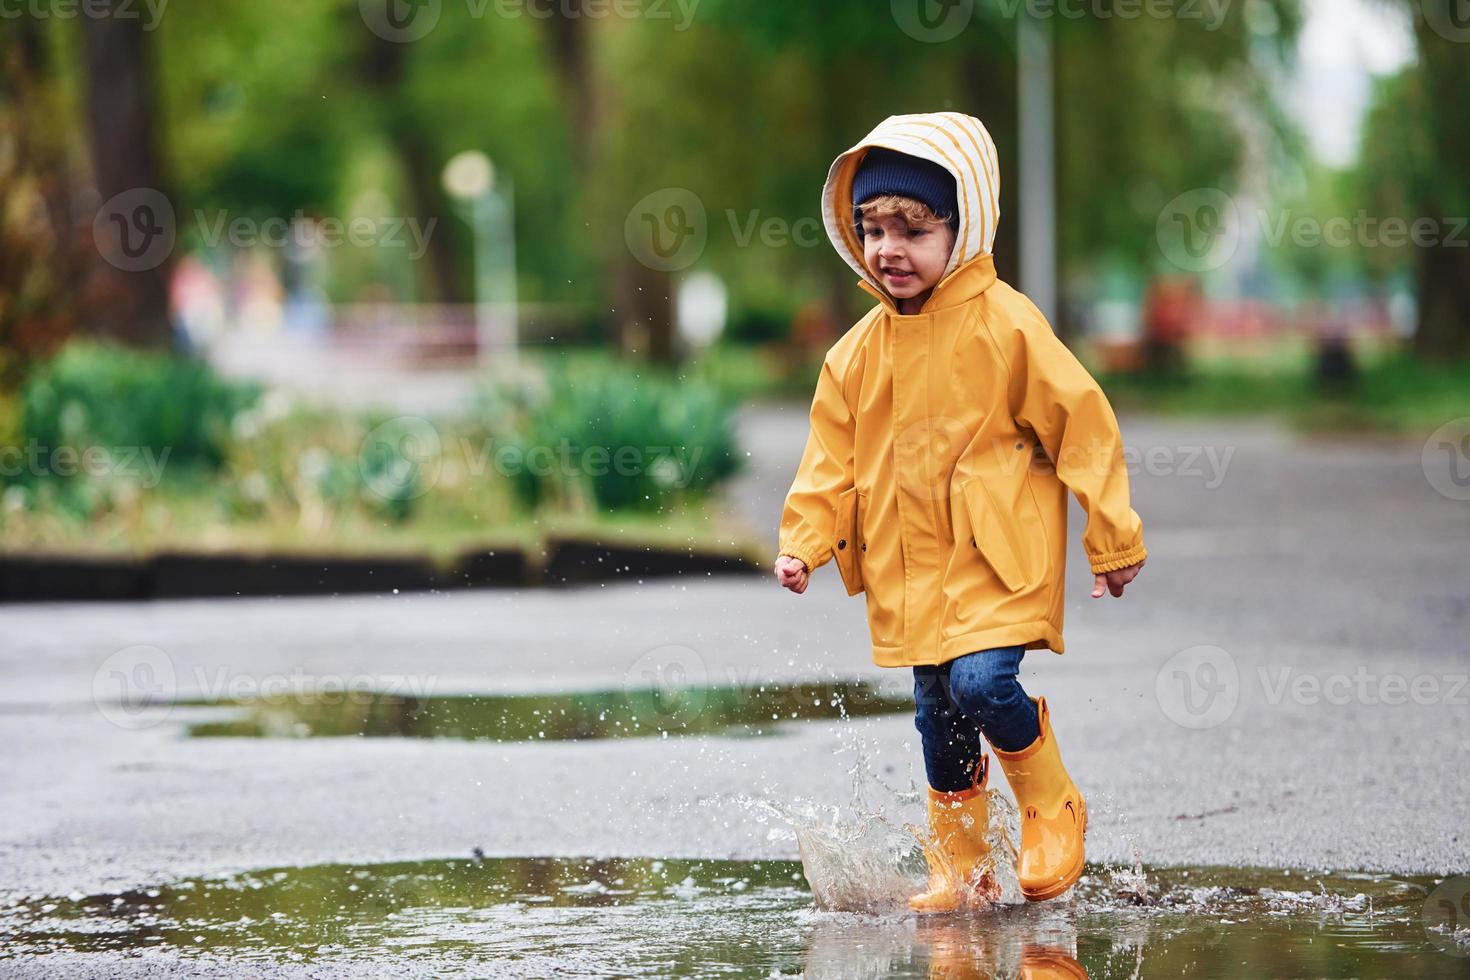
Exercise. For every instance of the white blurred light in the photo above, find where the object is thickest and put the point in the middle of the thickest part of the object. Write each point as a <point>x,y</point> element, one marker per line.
<point>701,308</point>
<point>467,175</point>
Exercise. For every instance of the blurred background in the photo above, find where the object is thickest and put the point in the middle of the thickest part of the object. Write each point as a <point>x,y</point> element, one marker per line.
<point>401,297</point>
<point>320,273</point>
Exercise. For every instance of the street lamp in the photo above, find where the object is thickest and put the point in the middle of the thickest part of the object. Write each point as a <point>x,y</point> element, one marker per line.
<point>469,177</point>
<point>1038,164</point>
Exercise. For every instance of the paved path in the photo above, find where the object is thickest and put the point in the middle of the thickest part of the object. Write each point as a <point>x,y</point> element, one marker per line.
<point>1322,574</point>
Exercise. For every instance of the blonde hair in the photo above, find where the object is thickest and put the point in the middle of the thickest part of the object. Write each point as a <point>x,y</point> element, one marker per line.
<point>914,212</point>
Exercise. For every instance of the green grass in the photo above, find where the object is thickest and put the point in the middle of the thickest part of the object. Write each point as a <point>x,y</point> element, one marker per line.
<point>1393,393</point>
<point>175,518</point>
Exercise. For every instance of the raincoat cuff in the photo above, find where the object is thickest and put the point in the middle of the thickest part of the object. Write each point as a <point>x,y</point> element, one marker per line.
<point>808,558</point>
<point>1115,560</point>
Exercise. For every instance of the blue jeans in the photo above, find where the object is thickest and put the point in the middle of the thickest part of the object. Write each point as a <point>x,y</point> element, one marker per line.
<point>956,702</point>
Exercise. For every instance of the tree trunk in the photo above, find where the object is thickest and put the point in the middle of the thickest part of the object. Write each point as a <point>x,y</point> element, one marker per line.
<point>989,73</point>
<point>130,305</point>
<point>39,253</point>
<point>1443,333</point>
<point>1444,268</point>
<point>382,68</point>
<point>643,321</point>
<point>645,310</point>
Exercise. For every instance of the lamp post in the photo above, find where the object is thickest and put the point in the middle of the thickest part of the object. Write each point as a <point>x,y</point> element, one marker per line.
<point>1038,165</point>
<point>469,177</point>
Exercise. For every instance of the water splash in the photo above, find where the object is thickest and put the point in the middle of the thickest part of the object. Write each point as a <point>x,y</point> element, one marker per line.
<point>864,856</point>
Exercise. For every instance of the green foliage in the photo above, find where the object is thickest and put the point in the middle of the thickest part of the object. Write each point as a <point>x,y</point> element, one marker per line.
<point>1393,392</point>
<point>1149,108</point>
<point>116,401</point>
<point>318,468</point>
<point>610,436</point>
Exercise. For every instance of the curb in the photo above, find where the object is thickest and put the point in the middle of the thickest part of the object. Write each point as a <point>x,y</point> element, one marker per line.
<point>207,575</point>
<point>576,560</point>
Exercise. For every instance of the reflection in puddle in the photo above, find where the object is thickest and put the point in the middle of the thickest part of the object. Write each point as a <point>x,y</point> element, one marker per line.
<point>733,711</point>
<point>644,917</point>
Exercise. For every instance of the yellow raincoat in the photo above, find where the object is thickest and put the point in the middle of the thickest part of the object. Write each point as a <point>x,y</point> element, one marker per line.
<point>943,444</point>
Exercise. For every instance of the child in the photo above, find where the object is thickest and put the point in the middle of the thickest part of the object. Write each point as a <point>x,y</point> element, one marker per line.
<point>946,428</point>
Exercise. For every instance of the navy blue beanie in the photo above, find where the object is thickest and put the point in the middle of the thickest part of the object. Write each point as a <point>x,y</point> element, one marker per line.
<point>885,171</point>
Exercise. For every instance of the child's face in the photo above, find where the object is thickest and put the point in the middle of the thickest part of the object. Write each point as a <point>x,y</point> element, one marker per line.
<point>908,260</point>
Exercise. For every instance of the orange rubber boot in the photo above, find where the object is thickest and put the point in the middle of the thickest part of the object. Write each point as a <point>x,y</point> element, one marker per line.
<point>1053,814</point>
<point>958,850</point>
<point>1043,963</point>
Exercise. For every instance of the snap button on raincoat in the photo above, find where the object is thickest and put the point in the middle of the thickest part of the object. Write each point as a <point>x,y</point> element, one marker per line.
<point>943,444</point>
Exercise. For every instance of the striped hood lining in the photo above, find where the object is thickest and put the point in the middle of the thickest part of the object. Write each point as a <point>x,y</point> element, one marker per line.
<point>959,143</point>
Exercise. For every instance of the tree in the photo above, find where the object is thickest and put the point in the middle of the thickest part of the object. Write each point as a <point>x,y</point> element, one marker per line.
<point>1415,147</point>
<point>131,305</point>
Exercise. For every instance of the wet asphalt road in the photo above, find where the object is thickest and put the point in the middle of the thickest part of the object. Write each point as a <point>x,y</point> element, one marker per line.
<point>1285,685</point>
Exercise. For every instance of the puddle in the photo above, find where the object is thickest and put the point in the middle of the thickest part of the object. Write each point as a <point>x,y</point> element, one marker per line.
<point>536,917</point>
<point>730,711</point>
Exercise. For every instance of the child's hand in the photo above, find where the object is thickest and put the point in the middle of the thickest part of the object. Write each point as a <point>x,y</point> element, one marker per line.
<point>1114,581</point>
<point>792,574</point>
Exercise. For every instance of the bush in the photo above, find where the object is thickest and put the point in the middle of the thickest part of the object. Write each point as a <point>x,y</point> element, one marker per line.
<point>103,399</point>
<point>609,435</point>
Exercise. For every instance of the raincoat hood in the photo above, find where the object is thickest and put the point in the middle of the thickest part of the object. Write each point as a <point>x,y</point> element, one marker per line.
<point>958,143</point>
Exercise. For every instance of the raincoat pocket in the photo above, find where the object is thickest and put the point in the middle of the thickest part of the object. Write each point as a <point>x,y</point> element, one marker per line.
<point>991,533</point>
<point>848,540</point>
